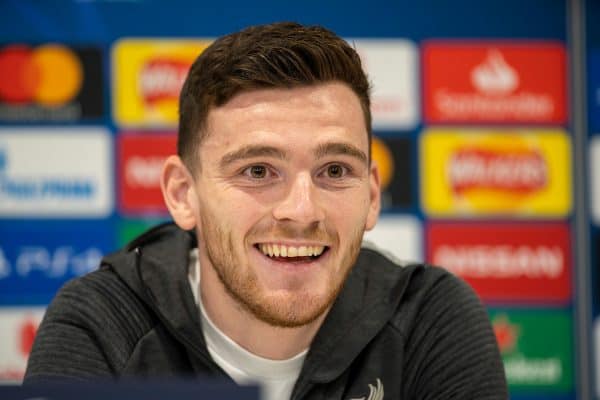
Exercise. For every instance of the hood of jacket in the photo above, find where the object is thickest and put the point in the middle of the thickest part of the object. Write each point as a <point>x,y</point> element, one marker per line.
<point>155,267</point>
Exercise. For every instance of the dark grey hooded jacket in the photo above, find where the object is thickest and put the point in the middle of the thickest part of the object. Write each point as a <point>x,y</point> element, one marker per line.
<point>410,331</point>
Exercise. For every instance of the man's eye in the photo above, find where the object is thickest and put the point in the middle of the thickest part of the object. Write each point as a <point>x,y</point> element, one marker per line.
<point>335,171</point>
<point>257,171</point>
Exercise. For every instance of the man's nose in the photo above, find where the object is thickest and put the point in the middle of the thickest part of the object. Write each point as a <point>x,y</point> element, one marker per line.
<point>300,203</point>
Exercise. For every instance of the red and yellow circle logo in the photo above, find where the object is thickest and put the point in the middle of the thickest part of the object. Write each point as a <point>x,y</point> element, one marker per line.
<point>50,75</point>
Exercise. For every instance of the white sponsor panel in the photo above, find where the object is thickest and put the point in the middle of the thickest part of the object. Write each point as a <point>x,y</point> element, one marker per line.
<point>18,326</point>
<point>56,172</point>
<point>400,235</point>
<point>595,178</point>
<point>392,68</point>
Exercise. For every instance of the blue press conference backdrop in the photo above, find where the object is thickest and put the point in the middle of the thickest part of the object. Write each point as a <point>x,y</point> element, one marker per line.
<point>40,248</point>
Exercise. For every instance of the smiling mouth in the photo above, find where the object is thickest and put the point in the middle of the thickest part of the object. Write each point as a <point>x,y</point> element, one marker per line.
<point>284,253</point>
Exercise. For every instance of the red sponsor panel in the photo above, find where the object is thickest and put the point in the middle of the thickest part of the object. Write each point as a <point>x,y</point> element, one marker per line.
<point>499,82</point>
<point>506,262</point>
<point>19,327</point>
<point>141,157</point>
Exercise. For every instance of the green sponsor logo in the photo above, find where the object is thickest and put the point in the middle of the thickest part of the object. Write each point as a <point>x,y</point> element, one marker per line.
<point>536,348</point>
<point>130,229</point>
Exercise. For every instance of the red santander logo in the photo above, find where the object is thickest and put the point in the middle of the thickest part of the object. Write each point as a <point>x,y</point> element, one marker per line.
<point>506,262</point>
<point>141,157</point>
<point>502,82</point>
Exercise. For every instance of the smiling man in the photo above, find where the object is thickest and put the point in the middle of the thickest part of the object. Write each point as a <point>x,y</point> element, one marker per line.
<point>262,277</point>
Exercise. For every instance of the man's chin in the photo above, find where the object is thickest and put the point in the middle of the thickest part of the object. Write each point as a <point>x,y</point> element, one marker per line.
<point>290,311</point>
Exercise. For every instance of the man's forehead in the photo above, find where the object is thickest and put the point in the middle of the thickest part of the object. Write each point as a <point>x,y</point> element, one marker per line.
<point>274,117</point>
<point>333,98</point>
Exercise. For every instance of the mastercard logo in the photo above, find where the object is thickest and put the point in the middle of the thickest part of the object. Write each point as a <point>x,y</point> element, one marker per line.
<point>49,75</point>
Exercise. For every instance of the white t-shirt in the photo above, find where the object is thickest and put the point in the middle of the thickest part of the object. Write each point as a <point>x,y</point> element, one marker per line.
<point>276,377</point>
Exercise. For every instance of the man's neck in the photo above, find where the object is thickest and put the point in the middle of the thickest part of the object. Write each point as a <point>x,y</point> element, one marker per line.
<point>241,326</point>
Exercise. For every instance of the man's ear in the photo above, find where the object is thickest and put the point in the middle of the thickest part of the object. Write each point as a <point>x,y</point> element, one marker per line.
<point>179,192</point>
<point>375,197</point>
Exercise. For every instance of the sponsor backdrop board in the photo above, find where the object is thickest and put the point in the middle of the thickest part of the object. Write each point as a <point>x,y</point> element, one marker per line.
<point>504,82</point>
<point>19,326</point>
<point>400,236</point>
<point>56,172</point>
<point>536,347</point>
<point>140,159</point>
<point>392,67</point>
<point>129,229</point>
<point>495,172</point>
<point>50,82</point>
<point>395,157</point>
<point>471,125</point>
<point>34,266</point>
<point>506,262</point>
<point>147,76</point>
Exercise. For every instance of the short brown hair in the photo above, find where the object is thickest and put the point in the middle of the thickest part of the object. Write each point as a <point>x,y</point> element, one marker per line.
<point>279,55</point>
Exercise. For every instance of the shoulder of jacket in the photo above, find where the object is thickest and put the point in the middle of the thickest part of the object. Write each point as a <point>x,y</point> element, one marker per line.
<point>423,276</point>
<point>383,267</point>
<point>433,291</point>
<point>102,304</point>
<point>383,255</point>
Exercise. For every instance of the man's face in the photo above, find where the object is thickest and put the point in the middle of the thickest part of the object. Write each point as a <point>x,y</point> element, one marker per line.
<point>285,192</point>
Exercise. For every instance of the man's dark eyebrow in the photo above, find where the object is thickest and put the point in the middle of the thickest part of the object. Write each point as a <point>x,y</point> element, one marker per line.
<point>341,149</point>
<point>251,151</point>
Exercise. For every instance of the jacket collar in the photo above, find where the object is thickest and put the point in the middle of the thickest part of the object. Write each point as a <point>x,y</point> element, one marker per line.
<point>367,302</point>
<point>155,266</point>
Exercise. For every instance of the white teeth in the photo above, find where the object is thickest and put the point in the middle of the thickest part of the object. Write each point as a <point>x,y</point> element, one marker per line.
<point>317,250</point>
<point>302,251</point>
<point>274,250</point>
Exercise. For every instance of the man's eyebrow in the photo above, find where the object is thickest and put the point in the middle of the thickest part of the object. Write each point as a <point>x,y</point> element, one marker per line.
<point>251,151</point>
<point>347,149</point>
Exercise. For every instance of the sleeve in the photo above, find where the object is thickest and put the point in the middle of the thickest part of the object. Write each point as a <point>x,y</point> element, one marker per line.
<point>88,332</point>
<point>452,351</point>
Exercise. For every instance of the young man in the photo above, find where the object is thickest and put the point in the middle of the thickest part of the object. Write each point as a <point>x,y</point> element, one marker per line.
<point>262,277</point>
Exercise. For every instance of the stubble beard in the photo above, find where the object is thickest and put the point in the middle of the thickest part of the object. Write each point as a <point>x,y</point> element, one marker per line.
<point>298,309</point>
